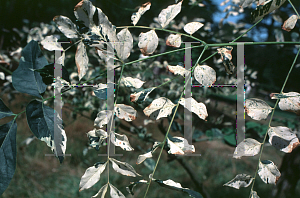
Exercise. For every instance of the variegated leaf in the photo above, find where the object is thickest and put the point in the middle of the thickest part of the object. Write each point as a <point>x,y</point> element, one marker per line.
<point>161,107</point>
<point>241,180</point>
<point>205,75</point>
<point>257,109</point>
<point>50,43</point>
<point>283,138</point>
<point>101,193</point>
<point>226,57</point>
<point>192,27</point>
<point>178,70</point>
<point>126,43</point>
<point>132,82</point>
<point>268,172</point>
<point>179,146</point>
<point>193,106</point>
<point>148,42</point>
<point>91,176</point>
<point>123,168</point>
<point>174,40</point>
<point>125,112</point>
<point>81,60</point>
<point>248,147</point>
<point>168,14</point>
<point>135,17</point>
<point>103,118</point>
<point>66,26</point>
<point>141,96</point>
<point>121,141</point>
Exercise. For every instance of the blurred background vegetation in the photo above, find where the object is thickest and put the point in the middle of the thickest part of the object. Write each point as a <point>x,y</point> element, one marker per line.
<point>267,67</point>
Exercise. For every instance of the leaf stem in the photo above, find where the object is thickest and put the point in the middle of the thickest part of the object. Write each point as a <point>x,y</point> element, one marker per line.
<point>294,9</point>
<point>6,70</point>
<point>271,118</point>
<point>166,30</point>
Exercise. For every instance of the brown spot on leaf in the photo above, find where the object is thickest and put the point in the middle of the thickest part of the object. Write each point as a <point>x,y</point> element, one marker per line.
<point>144,51</point>
<point>132,98</point>
<point>277,178</point>
<point>79,5</point>
<point>131,117</point>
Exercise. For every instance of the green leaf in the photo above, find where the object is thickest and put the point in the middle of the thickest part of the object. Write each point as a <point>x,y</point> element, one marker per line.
<point>24,78</point>
<point>7,153</point>
<point>40,119</point>
<point>47,73</point>
<point>4,110</point>
<point>230,139</point>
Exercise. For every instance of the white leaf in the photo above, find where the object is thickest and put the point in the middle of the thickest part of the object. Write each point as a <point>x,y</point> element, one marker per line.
<point>103,117</point>
<point>268,172</point>
<point>121,141</point>
<point>248,147</point>
<point>246,3</point>
<point>289,101</point>
<point>81,60</point>
<point>148,42</point>
<point>101,193</point>
<point>123,168</point>
<point>178,70</point>
<point>50,43</point>
<point>84,11</point>
<point>257,109</point>
<point>290,23</point>
<point>91,176</point>
<point>161,107</point>
<point>2,76</point>
<point>66,26</point>
<point>179,146</point>
<point>174,40</point>
<point>141,96</point>
<point>97,138</point>
<point>192,27</point>
<point>126,43</point>
<point>125,112</point>
<point>115,193</point>
<point>135,17</point>
<point>198,108</point>
<point>205,75</point>
<point>254,194</point>
<point>132,82</point>
<point>283,138</point>
<point>143,157</point>
<point>241,180</point>
<point>168,14</point>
